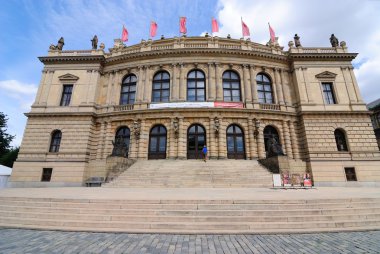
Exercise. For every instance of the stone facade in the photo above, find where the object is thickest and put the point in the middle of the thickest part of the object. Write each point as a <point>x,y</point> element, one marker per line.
<point>375,118</point>
<point>300,79</point>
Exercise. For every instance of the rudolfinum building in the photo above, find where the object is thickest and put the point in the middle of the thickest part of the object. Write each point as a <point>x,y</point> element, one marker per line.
<point>165,99</point>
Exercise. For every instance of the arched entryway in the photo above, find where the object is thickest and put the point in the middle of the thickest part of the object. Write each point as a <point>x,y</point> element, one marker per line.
<point>235,142</point>
<point>196,139</point>
<point>270,136</point>
<point>157,143</point>
<point>121,143</point>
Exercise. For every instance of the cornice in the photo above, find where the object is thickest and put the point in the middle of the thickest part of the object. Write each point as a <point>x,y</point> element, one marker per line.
<point>72,59</point>
<point>322,56</point>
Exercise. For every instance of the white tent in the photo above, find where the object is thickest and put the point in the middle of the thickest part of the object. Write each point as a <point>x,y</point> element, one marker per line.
<point>5,173</point>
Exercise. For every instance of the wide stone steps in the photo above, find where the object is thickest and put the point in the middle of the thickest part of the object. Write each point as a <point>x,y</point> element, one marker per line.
<point>194,173</point>
<point>191,216</point>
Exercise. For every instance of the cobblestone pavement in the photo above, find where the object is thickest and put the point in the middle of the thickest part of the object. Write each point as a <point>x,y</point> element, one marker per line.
<point>34,241</point>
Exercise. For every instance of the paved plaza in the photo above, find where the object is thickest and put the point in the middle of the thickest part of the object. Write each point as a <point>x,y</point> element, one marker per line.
<point>33,241</point>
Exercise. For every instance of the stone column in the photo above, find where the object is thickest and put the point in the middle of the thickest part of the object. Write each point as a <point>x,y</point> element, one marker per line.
<point>348,84</point>
<point>109,137</point>
<point>174,85</point>
<point>274,87</point>
<point>182,83</point>
<point>301,85</point>
<point>109,88</point>
<point>116,88</point>
<point>356,87</point>
<point>143,140</point>
<point>40,88</point>
<point>285,88</point>
<point>211,85</point>
<point>148,85</point>
<point>309,93</point>
<point>293,139</point>
<point>182,140</point>
<point>46,90</point>
<point>247,86</point>
<point>222,140</point>
<point>260,143</point>
<point>212,139</point>
<point>218,84</point>
<point>252,139</point>
<point>288,148</point>
<point>172,146</point>
<point>254,84</point>
<point>101,140</point>
<point>279,85</point>
<point>140,85</point>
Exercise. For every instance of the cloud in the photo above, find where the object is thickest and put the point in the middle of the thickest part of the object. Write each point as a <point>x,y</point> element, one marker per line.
<point>18,93</point>
<point>351,21</point>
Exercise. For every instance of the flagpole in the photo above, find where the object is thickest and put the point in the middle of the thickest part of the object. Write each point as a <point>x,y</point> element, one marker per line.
<point>241,23</point>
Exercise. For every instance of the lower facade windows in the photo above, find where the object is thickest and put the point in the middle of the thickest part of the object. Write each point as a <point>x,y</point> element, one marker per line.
<point>350,174</point>
<point>46,174</point>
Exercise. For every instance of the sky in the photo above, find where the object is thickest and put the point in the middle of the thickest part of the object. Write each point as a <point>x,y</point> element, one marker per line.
<point>30,26</point>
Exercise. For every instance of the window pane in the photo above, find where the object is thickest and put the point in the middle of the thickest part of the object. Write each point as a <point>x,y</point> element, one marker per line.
<point>162,144</point>
<point>268,88</point>
<point>230,144</point>
<point>200,74</point>
<point>156,96</point>
<point>165,75</point>
<point>153,144</point>
<point>226,84</point>
<point>238,130</point>
<point>200,130</point>
<point>236,93</point>
<point>200,84</point>
<point>235,85</point>
<point>266,79</point>
<point>191,84</point>
<point>234,75</point>
<point>259,78</point>
<point>191,75</point>
<point>133,79</point>
<point>239,144</point>
<point>192,129</point>
<point>156,86</point>
<point>132,88</point>
<point>165,93</point>
<point>230,130</point>
<point>165,85</point>
<point>226,75</point>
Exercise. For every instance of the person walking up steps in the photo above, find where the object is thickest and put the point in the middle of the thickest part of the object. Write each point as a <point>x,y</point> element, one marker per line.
<point>204,151</point>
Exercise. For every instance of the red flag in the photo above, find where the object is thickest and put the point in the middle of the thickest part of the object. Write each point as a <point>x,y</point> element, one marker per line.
<point>153,29</point>
<point>182,25</point>
<point>124,34</point>
<point>214,25</point>
<point>272,34</point>
<point>245,29</point>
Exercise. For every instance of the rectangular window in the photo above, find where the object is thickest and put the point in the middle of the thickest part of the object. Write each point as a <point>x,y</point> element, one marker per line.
<point>350,174</point>
<point>46,174</point>
<point>328,93</point>
<point>66,95</point>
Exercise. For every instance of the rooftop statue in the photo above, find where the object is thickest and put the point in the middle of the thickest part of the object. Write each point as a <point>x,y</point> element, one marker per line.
<point>297,41</point>
<point>59,46</point>
<point>94,42</point>
<point>334,41</point>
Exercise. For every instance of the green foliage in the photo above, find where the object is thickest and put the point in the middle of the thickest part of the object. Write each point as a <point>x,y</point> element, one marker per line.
<point>10,157</point>
<point>5,138</point>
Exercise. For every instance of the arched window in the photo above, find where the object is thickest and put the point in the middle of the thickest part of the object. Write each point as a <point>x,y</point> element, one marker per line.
<point>196,139</point>
<point>264,89</point>
<point>160,88</point>
<point>128,90</point>
<point>55,142</point>
<point>121,143</point>
<point>196,86</point>
<point>340,139</point>
<point>157,142</point>
<point>231,86</point>
<point>235,142</point>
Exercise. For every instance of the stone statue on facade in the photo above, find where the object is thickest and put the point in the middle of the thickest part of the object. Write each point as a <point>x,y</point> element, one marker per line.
<point>334,41</point>
<point>94,42</point>
<point>176,127</point>
<point>274,148</point>
<point>120,148</point>
<point>297,41</point>
<point>59,45</point>
<point>216,126</point>
<point>136,128</point>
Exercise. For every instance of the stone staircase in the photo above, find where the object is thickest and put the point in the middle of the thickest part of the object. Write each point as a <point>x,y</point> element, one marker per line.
<point>194,173</point>
<point>190,216</point>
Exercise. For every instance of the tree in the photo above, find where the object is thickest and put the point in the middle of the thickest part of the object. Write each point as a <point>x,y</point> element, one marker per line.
<point>5,138</point>
<point>10,157</point>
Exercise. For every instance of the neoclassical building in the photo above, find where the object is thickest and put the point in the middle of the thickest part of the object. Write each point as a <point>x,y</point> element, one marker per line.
<point>166,99</point>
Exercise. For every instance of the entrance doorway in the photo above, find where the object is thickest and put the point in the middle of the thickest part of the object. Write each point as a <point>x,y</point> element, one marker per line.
<point>157,143</point>
<point>196,139</point>
<point>235,142</point>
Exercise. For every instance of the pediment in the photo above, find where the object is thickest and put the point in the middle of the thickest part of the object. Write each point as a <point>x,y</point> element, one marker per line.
<point>326,75</point>
<point>68,77</point>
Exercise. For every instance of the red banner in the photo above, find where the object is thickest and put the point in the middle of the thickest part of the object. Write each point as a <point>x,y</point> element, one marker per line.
<point>182,25</point>
<point>214,25</point>
<point>272,34</point>
<point>245,29</point>
<point>153,29</point>
<point>228,105</point>
<point>124,34</point>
